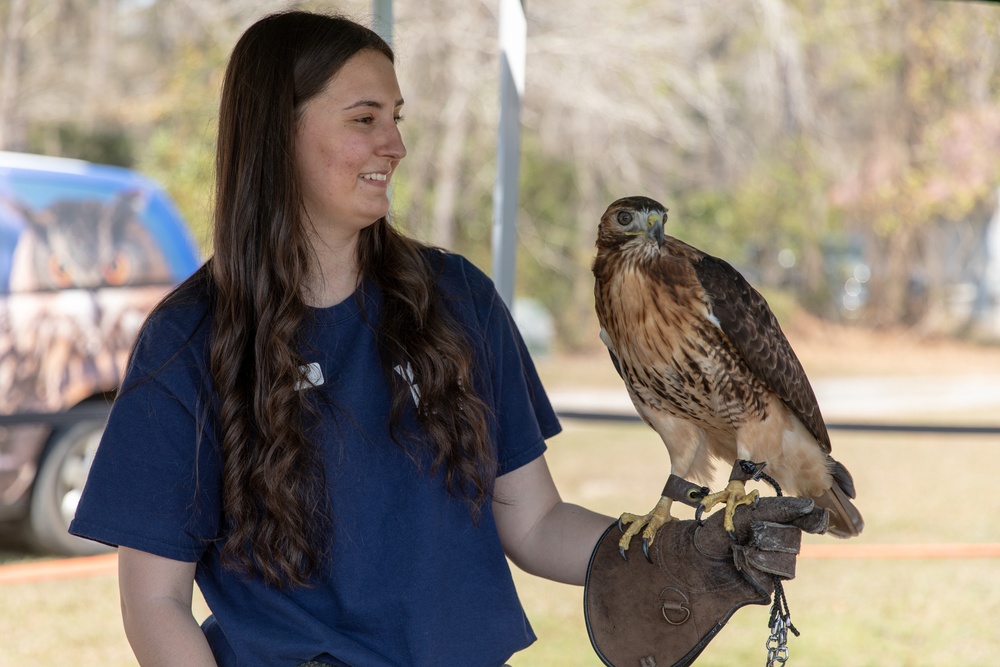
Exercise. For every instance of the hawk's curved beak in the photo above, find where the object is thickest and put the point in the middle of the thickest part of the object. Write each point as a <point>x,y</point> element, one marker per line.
<point>655,229</point>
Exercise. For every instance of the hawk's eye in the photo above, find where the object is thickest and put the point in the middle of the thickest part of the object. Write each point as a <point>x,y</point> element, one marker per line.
<point>624,218</point>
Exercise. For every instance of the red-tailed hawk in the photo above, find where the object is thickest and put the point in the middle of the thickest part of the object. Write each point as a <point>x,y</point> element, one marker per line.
<point>709,369</point>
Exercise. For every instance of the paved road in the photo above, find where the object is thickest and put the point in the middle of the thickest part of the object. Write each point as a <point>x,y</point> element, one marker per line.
<point>869,398</point>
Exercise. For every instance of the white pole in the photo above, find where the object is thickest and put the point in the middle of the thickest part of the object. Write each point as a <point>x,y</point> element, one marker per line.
<point>992,273</point>
<point>513,43</point>
<point>382,19</point>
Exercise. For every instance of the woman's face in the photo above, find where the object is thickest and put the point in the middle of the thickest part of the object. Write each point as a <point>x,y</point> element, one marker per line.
<point>347,146</point>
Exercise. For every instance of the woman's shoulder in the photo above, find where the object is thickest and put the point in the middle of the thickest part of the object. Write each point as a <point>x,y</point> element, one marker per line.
<point>180,319</point>
<point>466,289</point>
<point>189,302</point>
<point>457,273</point>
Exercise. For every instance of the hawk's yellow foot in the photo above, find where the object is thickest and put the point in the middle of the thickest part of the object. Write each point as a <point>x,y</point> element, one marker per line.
<point>733,495</point>
<point>652,523</point>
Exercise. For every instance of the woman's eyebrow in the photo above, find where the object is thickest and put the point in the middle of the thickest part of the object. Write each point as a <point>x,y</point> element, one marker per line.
<point>371,103</point>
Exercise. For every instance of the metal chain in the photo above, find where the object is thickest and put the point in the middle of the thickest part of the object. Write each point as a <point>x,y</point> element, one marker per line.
<point>780,624</point>
<point>777,644</point>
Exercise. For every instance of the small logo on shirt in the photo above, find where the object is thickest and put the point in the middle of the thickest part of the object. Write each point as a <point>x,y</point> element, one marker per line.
<point>407,374</point>
<point>312,376</point>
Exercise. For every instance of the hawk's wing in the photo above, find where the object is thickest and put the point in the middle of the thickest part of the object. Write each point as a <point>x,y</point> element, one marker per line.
<point>611,351</point>
<point>751,327</point>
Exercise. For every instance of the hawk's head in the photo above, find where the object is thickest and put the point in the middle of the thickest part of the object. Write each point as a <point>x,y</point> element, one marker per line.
<point>629,218</point>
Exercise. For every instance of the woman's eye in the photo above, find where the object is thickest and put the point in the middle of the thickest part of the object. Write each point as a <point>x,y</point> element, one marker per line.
<point>398,119</point>
<point>624,218</point>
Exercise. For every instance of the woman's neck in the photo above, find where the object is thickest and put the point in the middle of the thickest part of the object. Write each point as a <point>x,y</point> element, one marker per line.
<point>334,273</point>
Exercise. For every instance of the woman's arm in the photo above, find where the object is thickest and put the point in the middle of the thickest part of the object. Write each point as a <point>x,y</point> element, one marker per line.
<point>156,610</point>
<point>542,534</point>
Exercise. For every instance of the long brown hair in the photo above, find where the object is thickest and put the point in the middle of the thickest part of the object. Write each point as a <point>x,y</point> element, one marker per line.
<point>274,496</point>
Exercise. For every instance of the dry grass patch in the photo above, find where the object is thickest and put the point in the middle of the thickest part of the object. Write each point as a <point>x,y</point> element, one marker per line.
<point>907,613</point>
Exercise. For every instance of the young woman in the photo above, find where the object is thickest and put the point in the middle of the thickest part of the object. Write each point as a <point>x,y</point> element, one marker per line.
<point>335,430</point>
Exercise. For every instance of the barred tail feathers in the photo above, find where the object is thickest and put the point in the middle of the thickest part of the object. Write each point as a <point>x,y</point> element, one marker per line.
<point>845,519</point>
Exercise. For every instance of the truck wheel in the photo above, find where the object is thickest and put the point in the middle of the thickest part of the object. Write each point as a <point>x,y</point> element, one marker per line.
<point>58,486</point>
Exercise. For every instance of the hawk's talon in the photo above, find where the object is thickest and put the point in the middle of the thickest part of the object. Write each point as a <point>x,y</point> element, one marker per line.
<point>645,549</point>
<point>697,514</point>
<point>621,526</point>
<point>621,552</point>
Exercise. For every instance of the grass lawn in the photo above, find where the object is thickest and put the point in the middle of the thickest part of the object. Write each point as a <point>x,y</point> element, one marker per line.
<point>913,490</point>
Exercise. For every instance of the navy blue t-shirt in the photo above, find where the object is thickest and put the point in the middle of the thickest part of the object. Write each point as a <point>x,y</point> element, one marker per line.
<point>411,579</point>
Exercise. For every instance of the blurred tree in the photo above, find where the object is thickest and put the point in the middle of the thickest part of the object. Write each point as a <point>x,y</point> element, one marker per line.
<point>442,56</point>
<point>105,144</point>
<point>774,130</point>
<point>180,149</point>
<point>932,134</point>
<point>547,268</point>
<point>12,136</point>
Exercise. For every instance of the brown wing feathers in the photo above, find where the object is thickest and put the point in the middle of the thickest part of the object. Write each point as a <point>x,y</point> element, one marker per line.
<point>751,327</point>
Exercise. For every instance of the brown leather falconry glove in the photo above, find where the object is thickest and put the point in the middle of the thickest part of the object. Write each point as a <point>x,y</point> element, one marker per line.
<point>664,612</point>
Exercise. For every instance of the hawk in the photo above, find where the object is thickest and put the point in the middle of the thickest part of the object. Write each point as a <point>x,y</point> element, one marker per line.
<point>709,369</point>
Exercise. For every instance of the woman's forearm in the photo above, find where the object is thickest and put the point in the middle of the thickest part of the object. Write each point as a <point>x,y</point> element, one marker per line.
<point>163,633</point>
<point>156,597</point>
<point>542,534</point>
<point>560,546</point>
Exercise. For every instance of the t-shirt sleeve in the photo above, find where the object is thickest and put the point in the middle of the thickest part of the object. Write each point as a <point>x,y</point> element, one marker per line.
<point>524,415</point>
<point>154,483</point>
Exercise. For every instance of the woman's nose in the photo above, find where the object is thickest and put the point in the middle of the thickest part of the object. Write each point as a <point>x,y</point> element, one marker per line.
<point>393,146</point>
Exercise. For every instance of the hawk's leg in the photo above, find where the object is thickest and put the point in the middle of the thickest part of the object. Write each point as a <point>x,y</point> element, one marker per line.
<point>734,494</point>
<point>652,523</point>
